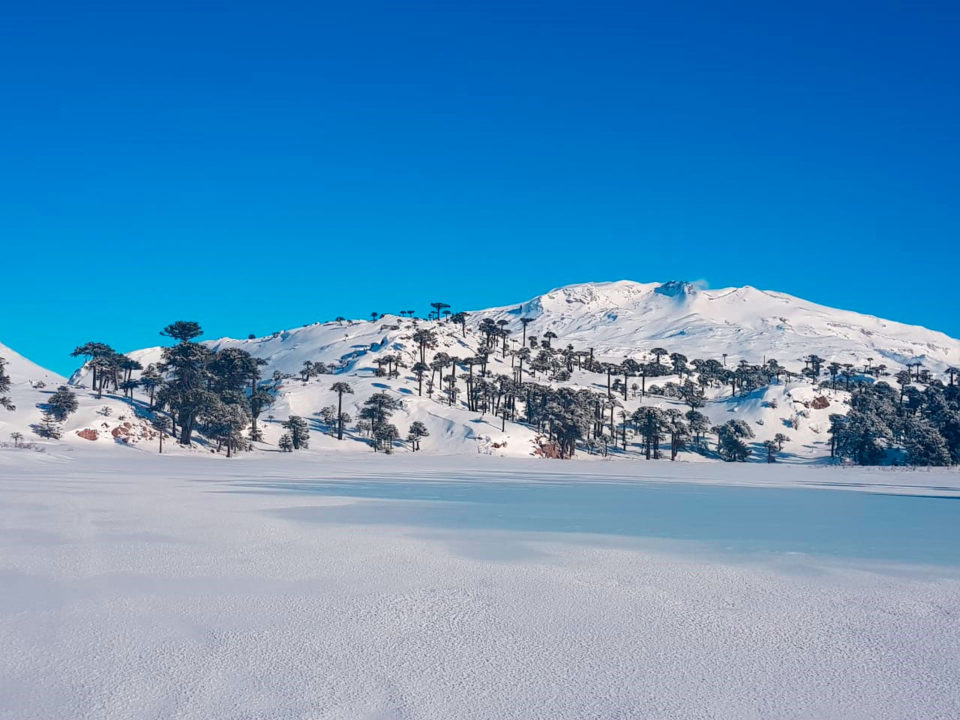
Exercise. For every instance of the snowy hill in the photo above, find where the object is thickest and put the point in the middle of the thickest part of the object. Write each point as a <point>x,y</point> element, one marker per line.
<point>627,318</point>
<point>615,320</point>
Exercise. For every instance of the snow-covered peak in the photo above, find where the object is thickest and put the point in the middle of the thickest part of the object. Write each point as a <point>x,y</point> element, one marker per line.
<point>626,318</point>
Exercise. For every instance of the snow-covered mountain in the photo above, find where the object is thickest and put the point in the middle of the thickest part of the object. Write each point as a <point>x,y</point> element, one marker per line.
<point>626,318</point>
<point>615,319</point>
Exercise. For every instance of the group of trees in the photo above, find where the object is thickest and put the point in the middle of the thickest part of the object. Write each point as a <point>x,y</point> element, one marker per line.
<point>109,369</point>
<point>922,424</point>
<point>926,430</point>
<point>199,389</point>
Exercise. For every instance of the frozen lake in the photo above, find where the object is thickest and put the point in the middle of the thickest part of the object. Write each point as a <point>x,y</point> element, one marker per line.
<point>373,588</point>
<point>871,526</point>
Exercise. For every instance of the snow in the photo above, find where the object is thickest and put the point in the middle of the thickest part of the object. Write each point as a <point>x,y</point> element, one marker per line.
<point>362,586</point>
<point>626,318</point>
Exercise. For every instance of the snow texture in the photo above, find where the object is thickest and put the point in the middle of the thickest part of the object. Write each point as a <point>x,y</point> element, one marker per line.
<point>287,588</point>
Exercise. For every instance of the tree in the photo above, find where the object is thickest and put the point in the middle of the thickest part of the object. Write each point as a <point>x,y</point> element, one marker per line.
<point>187,390</point>
<point>698,424</point>
<point>341,389</point>
<point>925,445</point>
<point>649,422</point>
<point>48,427</point>
<point>730,440</point>
<point>299,432</point>
<point>416,432</point>
<point>182,330</point>
<point>903,380</point>
<point>692,395</point>
<point>771,447</point>
<point>524,321</point>
<point>438,307</point>
<point>93,350</point>
<point>225,422</point>
<point>286,443</point>
<point>62,403</point>
<point>658,353</point>
<point>679,364</point>
<point>161,423</point>
<point>678,429</point>
<point>460,318</point>
<point>377,410</point>
<point>425,339</point>
<point>16,437</point>
<point>233,369</point>
<point>384,437</point>
<point>150,380</point>
<point>549,336</point>
<point>260,399</point>
<point>5,401</point>
<point>419,369</point>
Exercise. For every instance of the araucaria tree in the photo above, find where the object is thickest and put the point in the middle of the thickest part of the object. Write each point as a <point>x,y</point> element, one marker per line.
<point>299,432</point>
<point>341,389</point>
<point>208,389</point>
<point>377,411</point>
<point>186,365</point>
<point>416,432</point>
<point>730,440</point>
<point>62,403</point>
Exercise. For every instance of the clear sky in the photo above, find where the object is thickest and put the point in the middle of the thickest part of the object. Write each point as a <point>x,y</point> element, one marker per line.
<point>257,166</point>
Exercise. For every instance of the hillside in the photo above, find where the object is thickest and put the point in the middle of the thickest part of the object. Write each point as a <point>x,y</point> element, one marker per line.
<point>608,321</point>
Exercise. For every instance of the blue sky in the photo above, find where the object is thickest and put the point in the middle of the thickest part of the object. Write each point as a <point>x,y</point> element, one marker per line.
<point>258,166</point>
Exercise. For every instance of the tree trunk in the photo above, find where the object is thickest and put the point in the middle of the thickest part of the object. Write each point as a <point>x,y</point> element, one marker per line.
<point>339,416</point>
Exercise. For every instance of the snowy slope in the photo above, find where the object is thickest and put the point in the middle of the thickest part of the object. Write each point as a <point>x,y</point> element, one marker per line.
<point>616,319</point>
<point>30,384</point>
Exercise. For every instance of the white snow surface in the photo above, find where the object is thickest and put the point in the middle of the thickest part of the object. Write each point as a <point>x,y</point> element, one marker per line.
<point>186,587</point>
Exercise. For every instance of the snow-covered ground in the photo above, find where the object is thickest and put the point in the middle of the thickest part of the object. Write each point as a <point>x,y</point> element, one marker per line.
<point>364,586</point>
